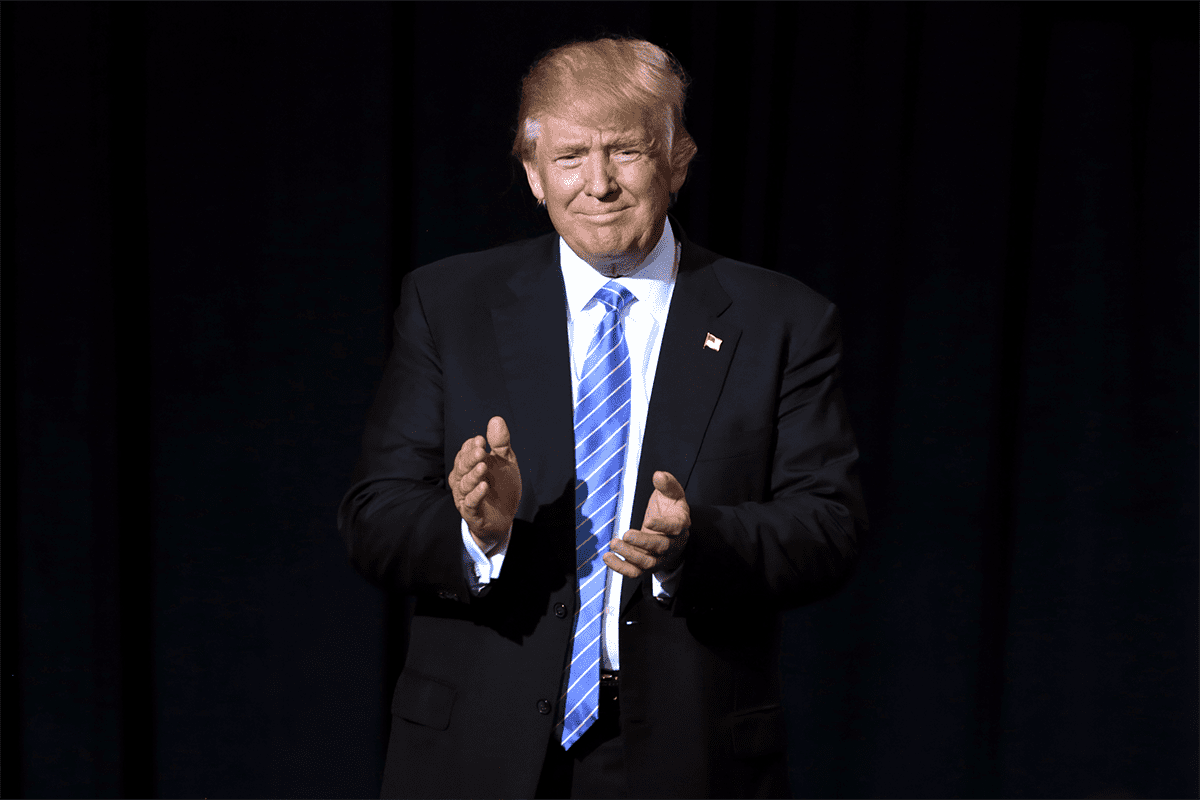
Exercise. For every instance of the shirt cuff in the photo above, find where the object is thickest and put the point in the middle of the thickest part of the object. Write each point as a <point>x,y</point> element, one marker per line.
<point>481,569</point>
<point>668,583</point>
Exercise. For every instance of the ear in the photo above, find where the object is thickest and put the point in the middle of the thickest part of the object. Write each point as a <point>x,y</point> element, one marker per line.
<point>535,180</point>
<point>677,179</point>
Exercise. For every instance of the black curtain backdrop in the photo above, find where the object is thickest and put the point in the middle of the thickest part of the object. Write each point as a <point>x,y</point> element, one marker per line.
<point>207,212</point>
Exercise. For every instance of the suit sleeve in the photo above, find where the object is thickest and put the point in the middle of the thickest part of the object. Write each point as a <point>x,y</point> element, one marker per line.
<point>398,520</point>
<point>798,542</point>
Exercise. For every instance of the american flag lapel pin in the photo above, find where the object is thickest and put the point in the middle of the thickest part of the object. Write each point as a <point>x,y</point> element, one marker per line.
<point>712,342</point>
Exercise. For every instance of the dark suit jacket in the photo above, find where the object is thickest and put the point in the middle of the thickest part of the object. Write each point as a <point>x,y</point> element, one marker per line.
<point>757,434</point>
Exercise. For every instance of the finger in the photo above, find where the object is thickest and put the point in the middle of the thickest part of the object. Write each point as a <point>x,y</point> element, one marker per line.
<point>498,437</point>
<point>470,454</point>
<point>665,482</point>
<point>471,479</point>
<point>474,497</point>
<point>623,567</point>
<point>655,543</point>
<point>460,459</point>
<point>634,555</point>
<point>668,522</point>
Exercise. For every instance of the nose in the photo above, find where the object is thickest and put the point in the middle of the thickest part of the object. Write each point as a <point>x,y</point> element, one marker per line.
<point>598,177</point>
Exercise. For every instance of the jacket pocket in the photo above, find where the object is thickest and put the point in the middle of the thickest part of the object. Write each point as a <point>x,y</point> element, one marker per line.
<point>423,700</point>
<point>759,732</point>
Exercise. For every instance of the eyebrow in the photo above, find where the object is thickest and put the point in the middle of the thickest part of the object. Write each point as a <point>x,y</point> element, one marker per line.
<point>619,143</point>
<point>569,147</point>
<point>628,140</point>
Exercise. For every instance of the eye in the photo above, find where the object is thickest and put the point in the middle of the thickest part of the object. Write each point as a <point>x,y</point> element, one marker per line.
<point>627,155</point>
<point>568,161</point>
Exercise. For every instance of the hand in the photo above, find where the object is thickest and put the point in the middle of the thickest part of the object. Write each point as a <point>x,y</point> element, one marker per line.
<point>658,546</point>
<point>487,486</point>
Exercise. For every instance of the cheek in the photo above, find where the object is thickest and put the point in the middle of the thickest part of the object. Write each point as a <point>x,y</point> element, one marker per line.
<point>643,184</point>
<point>570,182</point>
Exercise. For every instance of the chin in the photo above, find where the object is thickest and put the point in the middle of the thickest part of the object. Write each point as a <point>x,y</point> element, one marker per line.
<point>611,248</point>
<point>602,246</point>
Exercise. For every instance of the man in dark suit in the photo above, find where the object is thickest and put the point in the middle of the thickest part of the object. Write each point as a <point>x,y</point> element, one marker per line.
<point>539,400</point>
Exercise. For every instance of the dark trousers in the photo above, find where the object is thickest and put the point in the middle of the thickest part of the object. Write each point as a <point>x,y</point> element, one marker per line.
<point>595,765</point>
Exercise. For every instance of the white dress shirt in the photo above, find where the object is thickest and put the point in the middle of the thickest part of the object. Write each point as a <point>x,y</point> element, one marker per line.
<point>644,320</point>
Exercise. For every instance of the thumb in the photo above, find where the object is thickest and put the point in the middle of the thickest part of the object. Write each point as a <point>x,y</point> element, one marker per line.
<point>498,437</point>
<point>665,482</point>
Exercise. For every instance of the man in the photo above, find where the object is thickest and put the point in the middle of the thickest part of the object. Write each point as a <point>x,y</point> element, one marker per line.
<point>604,461</point>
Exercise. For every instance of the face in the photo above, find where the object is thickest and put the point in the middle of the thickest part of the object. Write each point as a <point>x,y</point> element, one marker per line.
<point>606,192</point>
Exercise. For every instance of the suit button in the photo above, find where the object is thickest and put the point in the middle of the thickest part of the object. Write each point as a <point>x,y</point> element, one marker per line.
<point>447,594</point>
<point>543,706</point>
<point>560,610</point>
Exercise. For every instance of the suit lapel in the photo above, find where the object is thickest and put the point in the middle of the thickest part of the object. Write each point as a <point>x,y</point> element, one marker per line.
<point>688,381</point>
<point>531,337</point>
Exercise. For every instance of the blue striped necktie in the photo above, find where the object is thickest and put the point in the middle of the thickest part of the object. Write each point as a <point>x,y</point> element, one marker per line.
<point>601,435</point>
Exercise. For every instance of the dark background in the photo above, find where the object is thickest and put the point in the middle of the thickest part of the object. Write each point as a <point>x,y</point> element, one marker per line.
<point>207,212</point>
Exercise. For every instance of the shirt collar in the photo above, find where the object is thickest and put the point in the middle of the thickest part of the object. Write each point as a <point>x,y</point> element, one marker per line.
<point>651,284</point>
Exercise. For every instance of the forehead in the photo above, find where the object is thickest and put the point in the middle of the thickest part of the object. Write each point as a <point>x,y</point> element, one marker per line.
<point>558,131</point>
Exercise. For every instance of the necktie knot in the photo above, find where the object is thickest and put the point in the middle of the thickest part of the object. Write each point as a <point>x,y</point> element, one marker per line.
<point>614,296</point>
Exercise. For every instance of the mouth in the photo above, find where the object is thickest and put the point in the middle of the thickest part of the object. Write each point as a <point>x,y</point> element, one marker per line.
<point>602,217</point>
